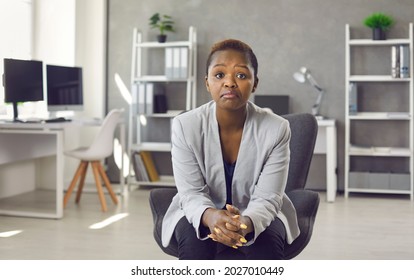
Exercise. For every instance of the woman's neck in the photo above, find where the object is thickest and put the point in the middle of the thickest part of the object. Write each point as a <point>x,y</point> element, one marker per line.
<point>231,120</point>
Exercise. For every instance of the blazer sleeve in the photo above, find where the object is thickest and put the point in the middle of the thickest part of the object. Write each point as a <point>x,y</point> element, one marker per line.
<point>193,192</point>
<point>267,198</point>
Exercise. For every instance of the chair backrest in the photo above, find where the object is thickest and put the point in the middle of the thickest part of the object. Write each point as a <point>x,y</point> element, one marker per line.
<point>304,129</point>
<point>103,141</point>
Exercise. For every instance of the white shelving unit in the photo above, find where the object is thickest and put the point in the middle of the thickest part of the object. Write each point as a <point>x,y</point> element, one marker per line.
<point>387,182</point>
<point>139,75</point>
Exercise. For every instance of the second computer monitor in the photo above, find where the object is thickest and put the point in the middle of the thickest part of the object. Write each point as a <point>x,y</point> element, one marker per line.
<point>64,88</point>
<point>23,82</point>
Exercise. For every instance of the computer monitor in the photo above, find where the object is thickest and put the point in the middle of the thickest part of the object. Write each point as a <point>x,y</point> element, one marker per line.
<point>64,88</point>
<point>279,104</point>
<point>22,81</point>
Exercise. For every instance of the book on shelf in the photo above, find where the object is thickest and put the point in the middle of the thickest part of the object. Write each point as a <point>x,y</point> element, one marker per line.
<point>169,63</point>
<point>138,97</point>
<point>176,63</point>
<point>140,171</point>
<point>395,61</point>
<point>149,98</point>
<point>150,166</point>
<point>144,167</point>
<point>353,99</point>
<point>404,55</point>
<point>183,62</point>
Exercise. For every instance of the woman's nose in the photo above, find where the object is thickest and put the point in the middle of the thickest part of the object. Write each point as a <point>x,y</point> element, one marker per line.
<point>230,82</point>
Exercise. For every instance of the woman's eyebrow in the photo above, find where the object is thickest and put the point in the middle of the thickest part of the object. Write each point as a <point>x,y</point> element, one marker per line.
<point>237,65</point>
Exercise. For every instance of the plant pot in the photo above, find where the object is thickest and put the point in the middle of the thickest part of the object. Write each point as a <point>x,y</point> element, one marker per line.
<point>162,38</point>
<point>378,34</point>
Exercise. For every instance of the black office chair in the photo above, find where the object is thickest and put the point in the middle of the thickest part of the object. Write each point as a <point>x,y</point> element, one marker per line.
<point>304,129</point>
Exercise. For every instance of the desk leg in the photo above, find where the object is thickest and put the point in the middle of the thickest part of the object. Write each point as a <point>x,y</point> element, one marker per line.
<point>331,178</point>
<point>59,175</point>
<point>122,190</point>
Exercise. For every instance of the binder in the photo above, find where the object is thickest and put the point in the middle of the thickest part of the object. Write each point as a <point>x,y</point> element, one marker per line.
<point>176,63</point>
<point>169,63</point>
<point>141,98</point>
<point>395,61</point>
<point>134,93</point>
<point>353,99</point>
<point>183,62</point>
<point>149,99</point>
<point>404,61</point>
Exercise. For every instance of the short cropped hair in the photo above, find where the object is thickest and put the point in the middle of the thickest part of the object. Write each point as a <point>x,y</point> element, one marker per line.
<point>232,44</point>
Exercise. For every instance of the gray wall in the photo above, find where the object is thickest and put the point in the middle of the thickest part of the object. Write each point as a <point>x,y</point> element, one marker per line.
<point>285,35</point>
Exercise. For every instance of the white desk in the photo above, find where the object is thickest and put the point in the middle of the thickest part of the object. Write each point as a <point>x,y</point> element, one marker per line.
<point>32,168</point>
<point>326,144</point>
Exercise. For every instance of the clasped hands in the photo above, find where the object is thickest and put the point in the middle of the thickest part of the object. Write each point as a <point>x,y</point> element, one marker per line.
<point>227,226</point>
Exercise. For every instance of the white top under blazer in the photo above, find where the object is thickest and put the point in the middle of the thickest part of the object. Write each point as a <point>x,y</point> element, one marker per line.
<point>260,175</point>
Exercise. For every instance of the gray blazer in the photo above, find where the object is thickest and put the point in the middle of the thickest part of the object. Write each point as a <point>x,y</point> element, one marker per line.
<point>259,178</point>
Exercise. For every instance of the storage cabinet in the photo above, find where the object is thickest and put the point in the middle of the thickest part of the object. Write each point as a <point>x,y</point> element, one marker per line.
<point>378,115</point>
<point>162,74</point>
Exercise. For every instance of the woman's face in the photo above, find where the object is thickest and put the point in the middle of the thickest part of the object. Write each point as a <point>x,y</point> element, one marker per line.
<point>230,79</point>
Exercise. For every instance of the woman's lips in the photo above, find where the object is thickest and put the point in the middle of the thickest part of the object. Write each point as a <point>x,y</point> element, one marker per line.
<point>229,94</point>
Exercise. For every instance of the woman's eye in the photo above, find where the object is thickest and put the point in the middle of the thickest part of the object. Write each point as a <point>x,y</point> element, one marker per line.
<point>241,76</point>
<point>219,75</point>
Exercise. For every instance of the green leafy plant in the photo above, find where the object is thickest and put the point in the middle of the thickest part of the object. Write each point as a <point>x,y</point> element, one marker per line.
<point>164,23</point>
<point>379,20</point>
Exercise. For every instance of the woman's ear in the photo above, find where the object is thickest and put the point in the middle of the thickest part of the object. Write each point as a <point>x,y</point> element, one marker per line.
<point>207,85</point>
<point>256,82</point>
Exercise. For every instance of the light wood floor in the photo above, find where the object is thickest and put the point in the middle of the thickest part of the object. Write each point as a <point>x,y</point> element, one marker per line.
<point>360,227</point>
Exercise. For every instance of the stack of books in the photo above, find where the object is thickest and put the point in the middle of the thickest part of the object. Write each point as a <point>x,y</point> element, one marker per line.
<point>144,167</point>
<point>400,61</point>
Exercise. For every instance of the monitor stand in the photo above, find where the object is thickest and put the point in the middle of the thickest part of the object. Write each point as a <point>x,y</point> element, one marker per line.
<point>15,113</point>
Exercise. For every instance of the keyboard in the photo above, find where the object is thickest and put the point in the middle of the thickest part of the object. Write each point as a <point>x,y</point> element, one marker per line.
<point>57,120</point>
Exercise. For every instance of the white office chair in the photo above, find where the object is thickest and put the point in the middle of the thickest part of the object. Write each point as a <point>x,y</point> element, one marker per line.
<point>101,148</point>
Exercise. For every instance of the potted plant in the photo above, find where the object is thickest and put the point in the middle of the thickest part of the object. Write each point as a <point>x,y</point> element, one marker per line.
<point>164,23</point>
<point>379,23</point>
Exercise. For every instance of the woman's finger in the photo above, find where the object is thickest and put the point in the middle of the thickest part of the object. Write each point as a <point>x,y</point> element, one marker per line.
<point>232,209</point>
<point>231,227</point>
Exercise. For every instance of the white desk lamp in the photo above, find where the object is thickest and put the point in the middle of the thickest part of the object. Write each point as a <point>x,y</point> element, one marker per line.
<point>304,75</point>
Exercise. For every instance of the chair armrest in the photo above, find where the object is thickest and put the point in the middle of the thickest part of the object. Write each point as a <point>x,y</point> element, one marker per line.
<point>306,202</point>
<point>160,200</point>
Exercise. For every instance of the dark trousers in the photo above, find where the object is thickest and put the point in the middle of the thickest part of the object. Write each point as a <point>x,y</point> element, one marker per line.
<point>269,245</point>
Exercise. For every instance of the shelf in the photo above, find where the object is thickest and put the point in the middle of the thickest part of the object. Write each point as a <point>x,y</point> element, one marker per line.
<point>379,151</point>
<point>165,181</point>
<point>381,191</point>
<point>370,42</point>
<point>163,45</point>
<point>399,179</point>
<point>157,127</point>
<point>160,78</point>
<point>168,114</point>
<point>376,78</point>
<point>152,147</point>
<point>380,116</point>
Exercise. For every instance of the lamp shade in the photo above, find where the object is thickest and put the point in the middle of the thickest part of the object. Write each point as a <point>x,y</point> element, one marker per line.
<point>301,75</point>
<point>304,75</point>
